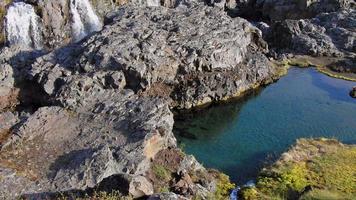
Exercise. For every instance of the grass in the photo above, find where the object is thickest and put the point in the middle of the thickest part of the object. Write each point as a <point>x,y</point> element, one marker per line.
<point>161,172</point>
<point>312,169</point>
<point>326,195</point>
<point>115,195</point>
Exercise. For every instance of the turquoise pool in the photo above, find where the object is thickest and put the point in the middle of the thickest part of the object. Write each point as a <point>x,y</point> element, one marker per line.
<point>240,137</point>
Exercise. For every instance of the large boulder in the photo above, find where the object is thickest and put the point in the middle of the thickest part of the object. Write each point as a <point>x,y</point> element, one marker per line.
<point>299,9</point>
<point>63,150</point>
<point>328,34</point>
<point>167,52</point>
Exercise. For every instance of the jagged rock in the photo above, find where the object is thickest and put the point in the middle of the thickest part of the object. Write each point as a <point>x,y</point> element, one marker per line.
<point>140,186</point>
<point>184,184</point>
<point>102,123</point>
<point>167,196</point>
<point>329,34</point>
<point>292,9</point>
<point>147,46</point>
<point>64,150</point>
<point>8,120</point>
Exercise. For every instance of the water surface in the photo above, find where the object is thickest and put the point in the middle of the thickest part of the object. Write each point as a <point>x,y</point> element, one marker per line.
<point>240,137</point>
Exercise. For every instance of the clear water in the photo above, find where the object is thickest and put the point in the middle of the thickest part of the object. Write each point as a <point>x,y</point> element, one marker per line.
<point>239,138</point>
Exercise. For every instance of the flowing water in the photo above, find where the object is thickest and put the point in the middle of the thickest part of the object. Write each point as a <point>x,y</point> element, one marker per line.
<point>22,26</point>
<point>240,137</point>
<point>84,19</point>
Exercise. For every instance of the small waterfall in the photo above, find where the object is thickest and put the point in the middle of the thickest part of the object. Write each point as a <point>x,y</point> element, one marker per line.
<point>22,26</point>
<point>84,19</point>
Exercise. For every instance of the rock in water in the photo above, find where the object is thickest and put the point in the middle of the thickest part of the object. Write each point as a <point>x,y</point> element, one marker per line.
<point>353,92</point>
<point>84,19</point>
<point>22,26</point>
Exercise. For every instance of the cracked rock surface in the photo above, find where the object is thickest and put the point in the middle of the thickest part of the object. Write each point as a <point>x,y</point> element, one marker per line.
<point>100,111</point>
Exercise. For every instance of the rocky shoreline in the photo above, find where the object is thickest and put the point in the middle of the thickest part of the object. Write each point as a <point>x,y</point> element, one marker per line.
<point>76,118</point>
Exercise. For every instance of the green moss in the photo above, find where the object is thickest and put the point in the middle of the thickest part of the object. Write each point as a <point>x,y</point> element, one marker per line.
<point>326,195</point>
<point>344,76</point>
<point>163,189</point>
<point>249,194</point>
<point>224,187</point>
<point>320,163</point>
<point>161,172</point>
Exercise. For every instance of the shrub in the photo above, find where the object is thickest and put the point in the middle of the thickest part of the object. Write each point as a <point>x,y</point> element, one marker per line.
<point>224,186</point>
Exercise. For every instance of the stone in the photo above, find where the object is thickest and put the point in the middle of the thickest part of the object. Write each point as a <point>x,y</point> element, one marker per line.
<point>147,50</point>
<point>353,92</point>
<point>291,9</point>
<point>329,34</point>
<point>106,116</point>
<point>140,187</point>
<point>166,196</point>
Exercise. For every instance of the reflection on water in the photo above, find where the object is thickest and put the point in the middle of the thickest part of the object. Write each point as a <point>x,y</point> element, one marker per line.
<point>239,137</point>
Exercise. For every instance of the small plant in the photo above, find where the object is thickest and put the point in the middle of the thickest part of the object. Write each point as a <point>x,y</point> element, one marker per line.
<point>161,172</point>
<point>163,189</point>
<point>114,195</point>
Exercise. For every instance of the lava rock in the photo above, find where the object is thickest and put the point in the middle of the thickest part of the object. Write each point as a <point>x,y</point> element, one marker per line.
<point>173,47</point>
<point>291,9</point>
<point>329,34</point>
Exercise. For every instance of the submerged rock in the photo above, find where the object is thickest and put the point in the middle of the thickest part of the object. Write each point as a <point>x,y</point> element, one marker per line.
<point>353,92</point>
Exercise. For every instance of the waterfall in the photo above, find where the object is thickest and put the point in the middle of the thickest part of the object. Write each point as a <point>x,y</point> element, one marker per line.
<point>84,19</point>
<point>22,26</point>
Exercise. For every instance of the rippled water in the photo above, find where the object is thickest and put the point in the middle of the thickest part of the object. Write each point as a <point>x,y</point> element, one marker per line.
<point>240,137</point>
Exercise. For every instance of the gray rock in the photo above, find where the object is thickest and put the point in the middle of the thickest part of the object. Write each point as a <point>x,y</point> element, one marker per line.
<point>106,119</point>
<point>167,196</point>
<point>292,9</point>
<point>158,45</point>
<point>79,149</point>
<point>329,34</point>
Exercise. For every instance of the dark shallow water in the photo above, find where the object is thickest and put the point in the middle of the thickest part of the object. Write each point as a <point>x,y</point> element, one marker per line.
<point>239,138</point>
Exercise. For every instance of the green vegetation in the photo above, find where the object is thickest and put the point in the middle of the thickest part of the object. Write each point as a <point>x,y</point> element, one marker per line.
<point>326,195</point>
<point>249,193</point>
<point>311,170</point>
<point>224,187</point>
<point>161,172</point>
<point>164,189</point>
<point>114,195</point>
